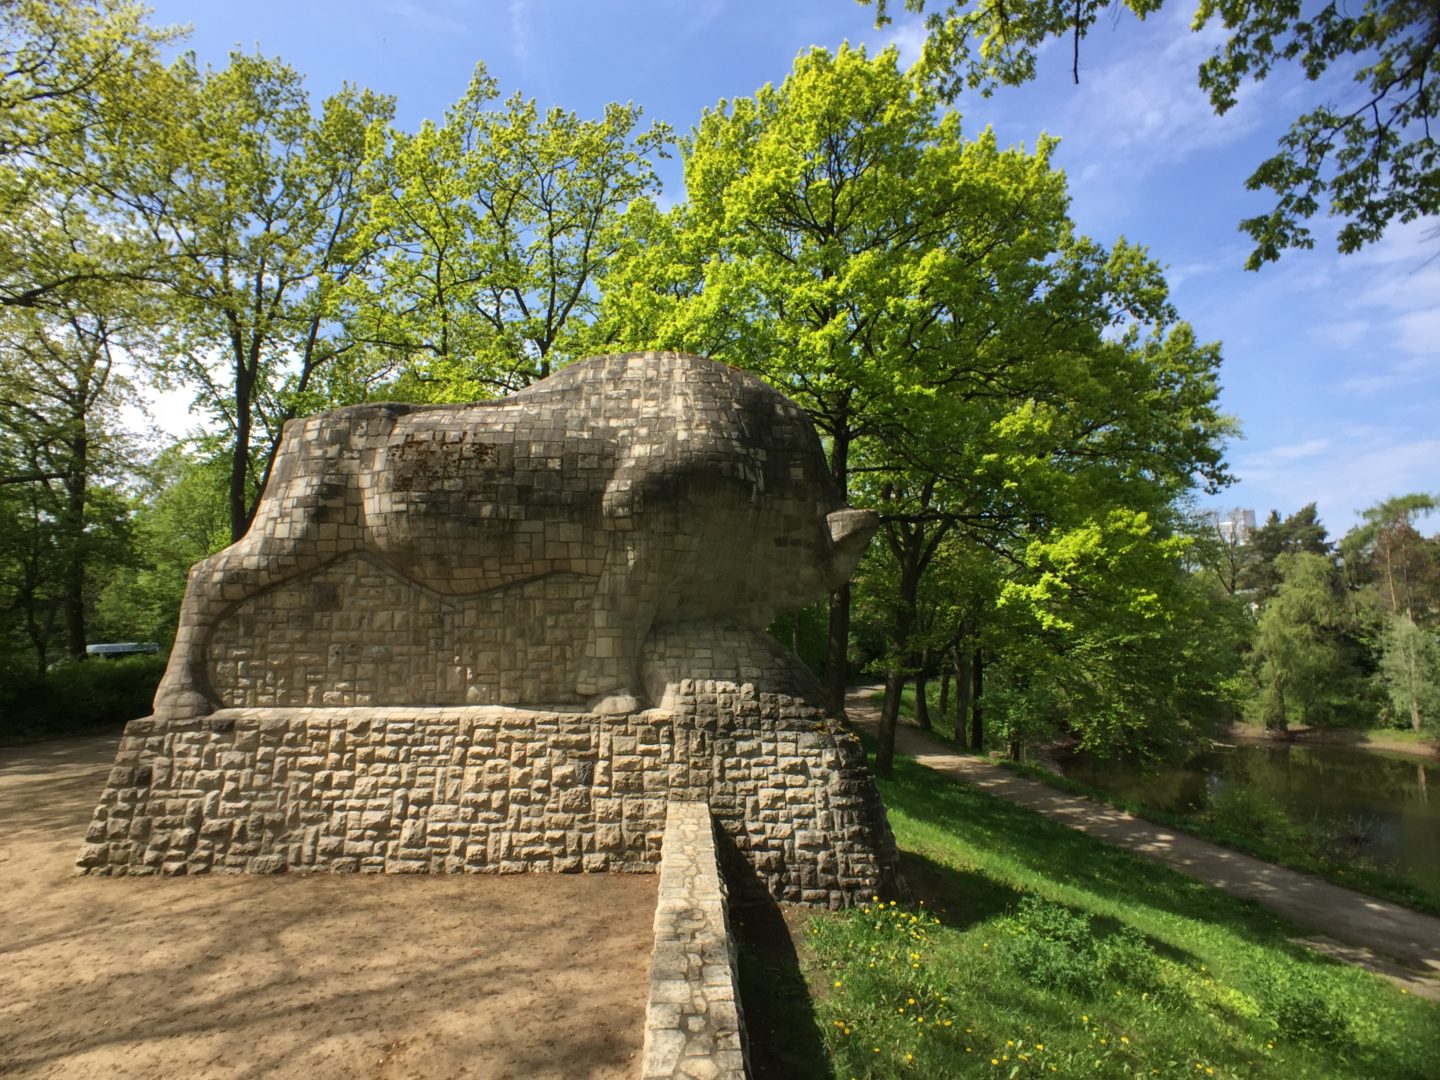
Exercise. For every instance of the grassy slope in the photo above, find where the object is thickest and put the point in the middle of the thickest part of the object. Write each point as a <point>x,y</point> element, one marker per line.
<point>1224,993</point>
<point>1289,848</point>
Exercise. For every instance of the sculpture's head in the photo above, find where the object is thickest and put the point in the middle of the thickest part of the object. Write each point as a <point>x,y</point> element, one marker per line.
<point>850,533</point>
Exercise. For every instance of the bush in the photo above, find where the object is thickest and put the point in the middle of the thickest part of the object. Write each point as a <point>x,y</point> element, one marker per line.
<point>84,696</point>
<point>1055,948</point>
<point>1301,1010</point>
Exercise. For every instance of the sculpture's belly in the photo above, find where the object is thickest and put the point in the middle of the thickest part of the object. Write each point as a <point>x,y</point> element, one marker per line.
<point>465,509</point>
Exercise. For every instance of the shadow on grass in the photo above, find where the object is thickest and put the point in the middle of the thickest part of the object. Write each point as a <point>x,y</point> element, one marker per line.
<point>780,1019</point>
<point>1060,855</point>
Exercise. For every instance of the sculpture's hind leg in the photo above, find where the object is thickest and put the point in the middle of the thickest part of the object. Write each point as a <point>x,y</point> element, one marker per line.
<point>624,608</point>
<point>308,520</point>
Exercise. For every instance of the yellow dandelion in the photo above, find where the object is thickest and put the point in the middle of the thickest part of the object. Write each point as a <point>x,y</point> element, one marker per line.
<point>838,984</point>
<point>1084,1019</point>
<point>1124,1040</point>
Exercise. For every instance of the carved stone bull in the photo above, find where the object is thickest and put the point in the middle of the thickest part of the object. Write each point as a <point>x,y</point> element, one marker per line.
<point>679,489</point>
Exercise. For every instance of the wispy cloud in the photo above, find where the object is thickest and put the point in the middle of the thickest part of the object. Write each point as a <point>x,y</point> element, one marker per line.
<point>420,14</point>
<point>1349,475</point>
<point>909,38</point>
<point>522,31</point>
<point>695,15</point>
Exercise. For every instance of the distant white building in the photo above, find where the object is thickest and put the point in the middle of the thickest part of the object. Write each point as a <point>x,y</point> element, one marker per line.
<point>1234,526</point>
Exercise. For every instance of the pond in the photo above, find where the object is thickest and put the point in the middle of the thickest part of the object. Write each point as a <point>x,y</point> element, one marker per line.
<point>1388,805</point>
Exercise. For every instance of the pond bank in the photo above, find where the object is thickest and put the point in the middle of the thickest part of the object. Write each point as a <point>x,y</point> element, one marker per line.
<point>1340,737</point>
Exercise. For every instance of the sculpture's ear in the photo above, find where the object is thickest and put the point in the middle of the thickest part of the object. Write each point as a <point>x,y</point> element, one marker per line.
<point>850,532</point>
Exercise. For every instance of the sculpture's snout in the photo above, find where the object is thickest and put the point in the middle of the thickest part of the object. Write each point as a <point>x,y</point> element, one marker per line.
<point>850,532</point>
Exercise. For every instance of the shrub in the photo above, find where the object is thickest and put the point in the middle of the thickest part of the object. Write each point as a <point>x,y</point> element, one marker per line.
<point>76,697</point>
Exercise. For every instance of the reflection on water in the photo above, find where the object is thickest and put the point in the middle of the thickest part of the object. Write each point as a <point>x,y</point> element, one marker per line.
<point>1391,805</point>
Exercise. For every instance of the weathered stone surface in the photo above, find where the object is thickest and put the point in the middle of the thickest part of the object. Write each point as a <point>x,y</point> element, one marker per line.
<point>491,790</point>
<point>614,537</point>
<point>514,551</point>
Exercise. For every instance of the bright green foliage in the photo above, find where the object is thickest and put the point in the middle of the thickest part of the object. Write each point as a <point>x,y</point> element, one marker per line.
<point>255,202</point>
<point>1370,160</point>
<point>1305,668</point>
<point>1410,672</point>
<point>495,226</point>
<point>179,517</point>
<point>65,70</point>
<point>59,399</point>
<point>1390,554</point>
<point>974,366</point>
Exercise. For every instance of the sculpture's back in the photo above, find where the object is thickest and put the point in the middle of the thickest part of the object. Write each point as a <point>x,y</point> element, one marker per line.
<point>615,536</point>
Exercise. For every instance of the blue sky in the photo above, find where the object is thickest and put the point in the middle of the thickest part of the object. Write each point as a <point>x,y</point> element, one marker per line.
<point>1332,363</point>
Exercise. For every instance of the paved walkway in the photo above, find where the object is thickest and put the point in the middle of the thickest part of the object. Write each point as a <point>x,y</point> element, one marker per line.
<point>1391,940</point>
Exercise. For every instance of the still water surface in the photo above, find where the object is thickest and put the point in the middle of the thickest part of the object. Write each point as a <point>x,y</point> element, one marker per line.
<point>1390,804</point>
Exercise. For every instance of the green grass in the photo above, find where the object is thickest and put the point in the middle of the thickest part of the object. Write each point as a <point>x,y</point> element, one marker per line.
<point>1260,827</point>
<point>1265,831</point>
<point>1040,951</point>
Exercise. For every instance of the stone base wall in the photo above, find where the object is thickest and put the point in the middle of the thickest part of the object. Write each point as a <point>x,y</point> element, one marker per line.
<point>495,790</point>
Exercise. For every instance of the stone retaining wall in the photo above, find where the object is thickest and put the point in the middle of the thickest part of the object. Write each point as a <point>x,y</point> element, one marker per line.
<point>693,1023</point>
<point>495,790</point>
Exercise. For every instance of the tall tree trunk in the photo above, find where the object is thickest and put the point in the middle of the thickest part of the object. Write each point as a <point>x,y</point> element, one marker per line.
<point>240,454</point>
<point>922,706</point>
<point>74,574</point>
<point>962,694</point>
<point>944,705</point>
<point>889,718</point>
<point>837,642</point>
<point>977,723</point>
<point>837,648</point>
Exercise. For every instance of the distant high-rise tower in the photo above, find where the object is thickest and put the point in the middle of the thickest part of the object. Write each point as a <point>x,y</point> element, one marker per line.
<point>1234,526</point>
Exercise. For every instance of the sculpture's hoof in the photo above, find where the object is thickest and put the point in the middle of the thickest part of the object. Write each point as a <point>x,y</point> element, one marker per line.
<point>615,703</point>
<point>182,705</point>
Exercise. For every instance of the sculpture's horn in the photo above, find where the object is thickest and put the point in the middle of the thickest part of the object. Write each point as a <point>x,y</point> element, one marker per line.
<point>850,531</point>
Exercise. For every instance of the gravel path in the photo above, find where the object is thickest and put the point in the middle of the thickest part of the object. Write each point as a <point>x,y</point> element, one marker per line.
<point>303,975</point>
<point>1394,941</point>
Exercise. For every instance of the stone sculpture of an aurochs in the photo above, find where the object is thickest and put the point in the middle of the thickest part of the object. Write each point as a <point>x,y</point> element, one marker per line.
<point>499,636</point>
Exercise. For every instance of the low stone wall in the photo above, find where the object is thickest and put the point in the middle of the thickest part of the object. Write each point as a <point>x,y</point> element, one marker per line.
<point>490,789</point>
<point>693,1023</point>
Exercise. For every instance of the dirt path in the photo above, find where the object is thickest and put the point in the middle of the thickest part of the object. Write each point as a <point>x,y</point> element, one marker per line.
<point>1401,944</point>
<point>310,976</point>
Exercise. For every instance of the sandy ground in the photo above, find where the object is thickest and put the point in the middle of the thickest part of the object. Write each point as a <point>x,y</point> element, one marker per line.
<point>302,975</point>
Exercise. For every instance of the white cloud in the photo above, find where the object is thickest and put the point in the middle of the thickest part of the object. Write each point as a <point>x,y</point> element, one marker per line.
<point>522,31</point>
<point>1351,475</point>
<point>909,38</point>
<point>1341,333</point>
<point>420,14</point>
<point>695,14</point>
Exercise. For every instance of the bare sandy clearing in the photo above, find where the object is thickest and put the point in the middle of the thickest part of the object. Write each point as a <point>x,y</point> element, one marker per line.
<point>301,975</point>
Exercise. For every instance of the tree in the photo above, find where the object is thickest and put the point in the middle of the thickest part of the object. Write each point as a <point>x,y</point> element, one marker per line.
<point>1304,662</point>
<point>179,515</point>
<point>495,227</point>
<point>1373,160</point>
<point>59,396</point>
<point>842,239</point>
<point>66,68</point>
<point>1409,670</point>
<point>1297,533</point>
<point>1388,541</point>
<point>256,205</point>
